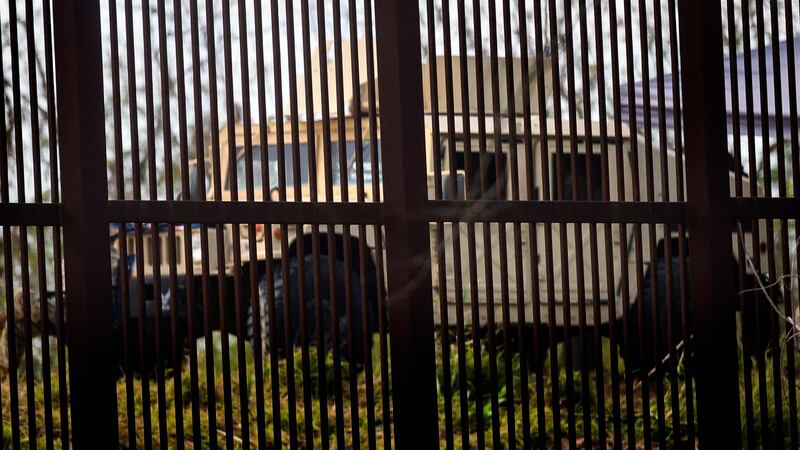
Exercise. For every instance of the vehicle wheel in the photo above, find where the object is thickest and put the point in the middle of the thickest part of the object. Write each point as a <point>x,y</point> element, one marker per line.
<point>278,322</point>
<point>757,316</point>
<point>536,354</point>
<point>645,343</point>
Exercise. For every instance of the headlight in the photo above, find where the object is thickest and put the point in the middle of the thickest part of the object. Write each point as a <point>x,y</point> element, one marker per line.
<point>197,252</point>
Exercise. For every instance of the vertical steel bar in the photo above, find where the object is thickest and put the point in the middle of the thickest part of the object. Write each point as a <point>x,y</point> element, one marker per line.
<point>13,392</point>
<point>80,108</point>
<point>679,177</point>
<point>436,148</point>
<point>293,166</point>
<point>494,403</point>
<point>201,183</point>
<point>19,154</point>
<point>589,143</point>
<point>738,191</point>
<point>235,230</point>
<point>533,260</point>
<point>441,251</point>
<point>667,241</point>
<point>616,418</point>
<point>530,156</point>
<point>123,232</point>
<point>329,195</point>
<point>766,165</point>
<point>298,196</point>
<point>341,119</point>
<point>258,341</point>
<point>314,187</point>
<point>65,435</point>
<point>471,232</point>
<point>233,187</point>
<point>137,195</point>
<point>377,183</point>
<point>55,197</point>
<point>637,232</point>
<point>795,161</point>
<point>13,352</point>
<point>175,362</point>
<point>360,198</point>
<point>407,238</point>
<point>366,330</point>
<point>517,239</point>
<point>650,175</point>
<point>572,120</point>
<point>707,189</point>
<point>41,285</point>
<point>155,248</point>
<point>487,227</point>
<point>284,269</point>
<point>783,241</point>
<point>186,188</point>
<point>219,229</point>
<point>619,156</point>
<point>649,184</point>
<point>549,258</point>
<point>501,175</point>
<point>753,175</point>
<point>311,130</point>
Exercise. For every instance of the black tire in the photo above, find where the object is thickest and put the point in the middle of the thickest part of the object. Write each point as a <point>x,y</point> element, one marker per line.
<point>757,316</point>
<point>536,354</point>
<point>294,335</point>
<point>642,357</point>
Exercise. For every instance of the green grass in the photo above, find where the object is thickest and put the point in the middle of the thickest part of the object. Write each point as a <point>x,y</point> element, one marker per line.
<point>473,384</point>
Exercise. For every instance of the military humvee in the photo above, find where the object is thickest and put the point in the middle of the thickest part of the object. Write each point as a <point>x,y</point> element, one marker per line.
<point>284,241</point>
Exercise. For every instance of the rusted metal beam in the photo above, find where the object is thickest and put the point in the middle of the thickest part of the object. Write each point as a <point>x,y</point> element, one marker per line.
<point>766,208</point>
<point>710,251</point>
<point>129,211</point>
<point>18,214</point>
<point>522,211</point>
<point>407,237</point>
<point>79,79</point>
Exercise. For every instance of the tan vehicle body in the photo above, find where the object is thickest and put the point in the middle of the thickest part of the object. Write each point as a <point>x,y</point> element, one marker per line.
<point>482,252</point>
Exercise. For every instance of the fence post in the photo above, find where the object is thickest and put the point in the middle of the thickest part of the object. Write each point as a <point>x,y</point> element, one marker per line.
<point>79,78</point>
<point>710,248</point>
<point>407,235</point>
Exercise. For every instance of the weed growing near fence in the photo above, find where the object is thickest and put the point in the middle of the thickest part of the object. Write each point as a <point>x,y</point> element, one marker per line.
<point>473,385</point>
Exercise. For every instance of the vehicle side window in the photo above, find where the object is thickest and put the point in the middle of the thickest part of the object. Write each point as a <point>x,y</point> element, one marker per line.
<point>582,160</point>
<point>447,191</point>
<point>479,167</point>
<point>272,166</point>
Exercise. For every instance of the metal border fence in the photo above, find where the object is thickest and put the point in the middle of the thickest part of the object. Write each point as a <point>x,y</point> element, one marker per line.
<point>401,217</point>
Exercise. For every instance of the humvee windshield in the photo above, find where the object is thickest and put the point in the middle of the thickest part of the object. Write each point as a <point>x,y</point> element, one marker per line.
<point>272,167</point>
<point>352,162</point>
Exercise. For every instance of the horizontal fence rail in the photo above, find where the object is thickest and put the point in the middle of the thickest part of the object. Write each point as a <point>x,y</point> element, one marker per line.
<point>452,223</point>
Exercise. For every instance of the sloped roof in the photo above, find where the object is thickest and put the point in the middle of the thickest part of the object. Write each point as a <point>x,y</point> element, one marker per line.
<point>770,108</point>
